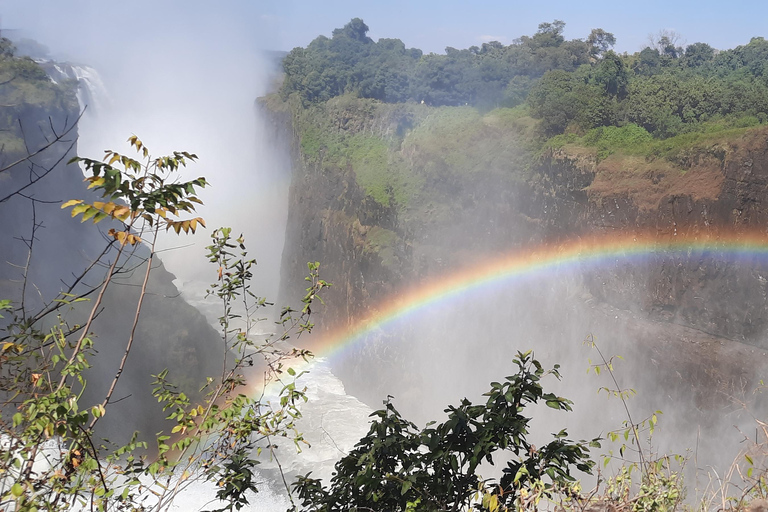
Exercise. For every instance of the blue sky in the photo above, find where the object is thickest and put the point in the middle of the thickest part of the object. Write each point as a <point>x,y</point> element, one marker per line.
<point>432,25</point>
<point>78,25</point>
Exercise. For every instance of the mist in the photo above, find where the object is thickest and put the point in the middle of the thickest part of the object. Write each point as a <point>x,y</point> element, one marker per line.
<point>182,76</point>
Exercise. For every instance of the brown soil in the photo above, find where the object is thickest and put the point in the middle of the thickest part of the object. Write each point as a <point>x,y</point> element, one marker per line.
<point>646,183</point>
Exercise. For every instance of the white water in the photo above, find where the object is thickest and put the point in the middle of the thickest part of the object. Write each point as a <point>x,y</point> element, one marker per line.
<point>332,421</point>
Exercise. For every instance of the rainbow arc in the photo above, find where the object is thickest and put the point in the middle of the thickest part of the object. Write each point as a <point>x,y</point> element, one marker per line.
<point>590,253</point>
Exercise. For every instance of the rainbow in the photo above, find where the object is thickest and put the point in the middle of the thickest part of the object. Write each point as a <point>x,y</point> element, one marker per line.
<point>582,253</point>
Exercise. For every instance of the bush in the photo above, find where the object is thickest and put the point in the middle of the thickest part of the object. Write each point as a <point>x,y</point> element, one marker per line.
<point>397,467</point>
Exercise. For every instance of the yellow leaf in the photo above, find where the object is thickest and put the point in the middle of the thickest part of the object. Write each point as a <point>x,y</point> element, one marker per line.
<point>88,213</point>
<point>71,202</point>
<point>95,182</point>
<point>109,207</point>
<point>98,204</point>
<point>7,345</point>
<point>201,221</point>
<point>115,158</point>
<point>193,225</point>
<point>121,212</point>
<point>161,212</point>
<point>79,209</point>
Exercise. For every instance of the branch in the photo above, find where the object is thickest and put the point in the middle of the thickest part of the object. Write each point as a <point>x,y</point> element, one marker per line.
<point>133,329</point>
<point>56,139</point>
<point>37,178</point>
<point>87,327</point>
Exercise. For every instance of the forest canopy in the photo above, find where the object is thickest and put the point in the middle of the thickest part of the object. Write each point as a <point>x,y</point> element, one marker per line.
<point>570,85</point>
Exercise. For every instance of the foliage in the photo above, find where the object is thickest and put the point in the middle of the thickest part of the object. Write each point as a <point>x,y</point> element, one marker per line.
<point>141,191</point>
<point>574,85</point>
<point>396,466</point>
<point>660,484</point>
<point>350,62</point>
<point>51,458</point>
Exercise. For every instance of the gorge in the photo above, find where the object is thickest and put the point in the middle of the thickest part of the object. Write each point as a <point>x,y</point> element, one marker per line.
<point>454,235</point>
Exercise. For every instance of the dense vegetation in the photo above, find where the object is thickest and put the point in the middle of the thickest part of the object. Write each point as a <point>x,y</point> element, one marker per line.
<point>386,70</point>
<point>570,85</point>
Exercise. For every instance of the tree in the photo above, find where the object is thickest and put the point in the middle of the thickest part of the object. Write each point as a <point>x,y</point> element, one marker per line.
<point>611,74</point>
<point>600,42</point>
<point>698,54</point>
<point>560,98</point>
<point>667,42</point>
<point>52,458</point>
<point>648,62</point>
<point>356,29</point>
<point>397,467</point>
<point>549,34</point>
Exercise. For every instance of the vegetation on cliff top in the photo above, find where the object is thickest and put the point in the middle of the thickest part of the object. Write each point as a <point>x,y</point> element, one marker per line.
<point>570,85</point>
<point>25,87</point>
<point>409,124</point>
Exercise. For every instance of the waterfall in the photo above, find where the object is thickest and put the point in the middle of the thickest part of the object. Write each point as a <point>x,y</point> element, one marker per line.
<point>332,421</point>
<point>91,91</point>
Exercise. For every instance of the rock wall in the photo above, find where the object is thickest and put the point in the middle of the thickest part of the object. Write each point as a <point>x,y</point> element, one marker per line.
<point>171,333</point>
<point>719,185</point>
<point>714,188</point>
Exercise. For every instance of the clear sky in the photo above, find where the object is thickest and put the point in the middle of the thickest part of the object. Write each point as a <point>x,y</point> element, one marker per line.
<point>429,25</point>
<point>433,25</point>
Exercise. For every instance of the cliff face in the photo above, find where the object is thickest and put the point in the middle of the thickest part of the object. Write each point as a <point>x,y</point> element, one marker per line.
<point>474,191</point>
<point>171,333</point>
<point>711,188</point>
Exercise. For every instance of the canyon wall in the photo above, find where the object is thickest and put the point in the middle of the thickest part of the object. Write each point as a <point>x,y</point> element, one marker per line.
<point>467,204</point>
<point>41,241</point>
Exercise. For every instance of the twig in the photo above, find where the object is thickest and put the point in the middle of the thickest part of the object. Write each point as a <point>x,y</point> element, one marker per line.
<point>133,330</point>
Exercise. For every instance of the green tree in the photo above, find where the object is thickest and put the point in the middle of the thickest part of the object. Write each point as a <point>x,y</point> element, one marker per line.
<point>698,54</point>
<point>549,34</point>
<point>560,98</point>
<point>397,467</point>
<point>612,76</point>
<point>600,41</point>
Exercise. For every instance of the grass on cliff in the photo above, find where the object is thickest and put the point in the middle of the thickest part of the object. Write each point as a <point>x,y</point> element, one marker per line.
<point>404,154</point>
<point>634,140</point>
<point>361,136</point>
